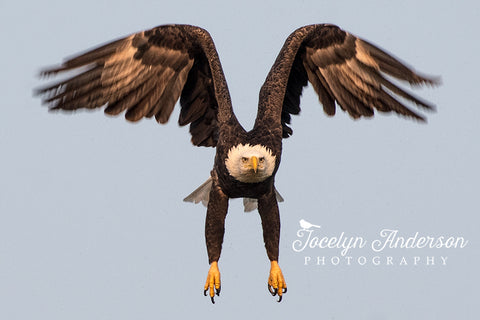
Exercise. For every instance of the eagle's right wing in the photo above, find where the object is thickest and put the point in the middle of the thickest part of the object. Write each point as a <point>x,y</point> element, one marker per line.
<point>145,74</point>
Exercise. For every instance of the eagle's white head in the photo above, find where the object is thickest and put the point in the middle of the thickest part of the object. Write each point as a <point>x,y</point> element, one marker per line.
<point>250,164</point>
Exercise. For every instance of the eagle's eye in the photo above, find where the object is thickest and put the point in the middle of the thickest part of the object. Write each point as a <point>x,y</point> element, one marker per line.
<point>261,160</point>
<point>244,160</point>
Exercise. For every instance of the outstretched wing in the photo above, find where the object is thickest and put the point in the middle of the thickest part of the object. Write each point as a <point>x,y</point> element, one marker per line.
<point>145,74</point>
<point>344,70</point>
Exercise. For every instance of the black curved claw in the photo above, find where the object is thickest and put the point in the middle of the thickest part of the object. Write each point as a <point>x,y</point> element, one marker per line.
<point>272,292</point>
<point>279,298</point>
<point>285,290</point>
<point>217,292</point>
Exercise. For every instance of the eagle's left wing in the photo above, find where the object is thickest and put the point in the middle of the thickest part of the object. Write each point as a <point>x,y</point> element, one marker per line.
<point>344,70</point>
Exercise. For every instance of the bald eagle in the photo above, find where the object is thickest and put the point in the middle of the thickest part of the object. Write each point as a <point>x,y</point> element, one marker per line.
<point>146,73</point>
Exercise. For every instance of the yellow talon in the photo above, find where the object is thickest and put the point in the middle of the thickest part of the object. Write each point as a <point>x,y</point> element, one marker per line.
<point>276,281</point>
<point>213,281</point>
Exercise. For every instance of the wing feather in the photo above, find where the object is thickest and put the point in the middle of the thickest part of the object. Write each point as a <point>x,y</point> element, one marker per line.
<point>145,74</point>
<point>321,87</point>
<point>344,70</point>
<point>170,96</point>
<point>132,102</point>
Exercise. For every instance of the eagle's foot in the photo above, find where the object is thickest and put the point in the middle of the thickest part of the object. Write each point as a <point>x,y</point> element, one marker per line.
<point>276,282</point>
<point>213,281</point>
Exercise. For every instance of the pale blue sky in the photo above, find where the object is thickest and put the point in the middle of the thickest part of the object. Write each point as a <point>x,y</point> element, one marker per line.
<point>92,223</point>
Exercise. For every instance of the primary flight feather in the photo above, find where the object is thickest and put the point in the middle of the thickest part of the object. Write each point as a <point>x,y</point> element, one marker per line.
<point>145,74</point>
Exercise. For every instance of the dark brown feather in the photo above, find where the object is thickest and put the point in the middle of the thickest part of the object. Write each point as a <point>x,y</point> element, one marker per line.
<point>343,70</point>
<point>144,75</point>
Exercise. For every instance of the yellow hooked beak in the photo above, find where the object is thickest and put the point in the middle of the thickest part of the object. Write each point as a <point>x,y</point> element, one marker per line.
<point>254,161</point>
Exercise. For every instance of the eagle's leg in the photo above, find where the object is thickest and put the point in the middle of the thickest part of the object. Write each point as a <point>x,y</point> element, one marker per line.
<point>214,230</point>
<point>268,209</point>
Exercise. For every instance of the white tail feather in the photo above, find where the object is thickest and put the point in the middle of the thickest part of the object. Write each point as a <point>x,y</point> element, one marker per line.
<point>202,194</point>
<point>250,204</point>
